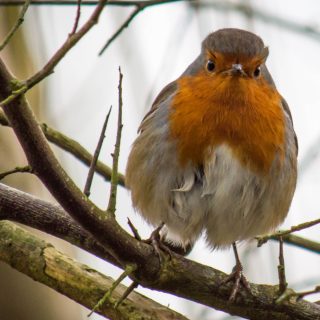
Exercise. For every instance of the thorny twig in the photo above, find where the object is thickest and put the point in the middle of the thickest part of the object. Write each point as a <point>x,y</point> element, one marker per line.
<point>134,230</point>
<point>96,156</point>
<point>114,175</point>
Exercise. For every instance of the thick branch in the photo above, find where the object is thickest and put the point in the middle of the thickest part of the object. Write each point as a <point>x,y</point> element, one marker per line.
<point>179,276</point>
<point>21,207</point>
<point>42,262</point>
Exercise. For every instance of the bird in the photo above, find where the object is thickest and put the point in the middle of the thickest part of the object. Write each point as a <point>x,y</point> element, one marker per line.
<point>216,155</point>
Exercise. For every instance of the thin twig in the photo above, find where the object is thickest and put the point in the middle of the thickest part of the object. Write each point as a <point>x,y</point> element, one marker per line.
<point>300,242</point>
<point>132,286</point>
<point>24,169</point>
<point>73,147</point>
<point>76,21</point>
<point>70,42</point>
<point>107,296</point>
<point>134,230</point>
<point>114,175</point>
<point>287,295</point>
<point>140,6</point>
<point>96,156</point>
<point>281,269</point>
<point>301,226</point>
<point>123,26</point>
<point>16,25</point>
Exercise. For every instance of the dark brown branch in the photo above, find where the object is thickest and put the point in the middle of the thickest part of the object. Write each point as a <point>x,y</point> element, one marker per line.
<point>42,262</point>
<point>41,158</point>
<point>137,10</point>
<point>21,207</point>
<point>16,25</point>
<point>76,21</point>
<point>180,276</point>
<point>96,154</point>
<point>73,147</point>
<point>20,88</point>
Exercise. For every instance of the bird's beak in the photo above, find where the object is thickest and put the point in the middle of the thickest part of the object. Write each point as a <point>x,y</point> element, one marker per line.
<point>237,69</point>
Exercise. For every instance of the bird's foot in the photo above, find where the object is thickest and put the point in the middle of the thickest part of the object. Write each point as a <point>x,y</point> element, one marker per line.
<point>238,279</point>
<point>156,242</point>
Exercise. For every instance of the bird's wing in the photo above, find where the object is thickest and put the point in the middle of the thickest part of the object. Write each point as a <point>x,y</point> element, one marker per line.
<point>288,112</point>
<point>167,91</point>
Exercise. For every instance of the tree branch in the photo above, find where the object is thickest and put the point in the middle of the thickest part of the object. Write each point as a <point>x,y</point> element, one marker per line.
<point>73,147</point>
<point>16,25</point>
<point>21,207</point>
<point>114,176</point>
<point>300,242</point>
<point>179,276</point>
<point>42,262</point>
<point>263,239</point>
<point>96,154</point>
<point>25,169</point>
<point>44,164</point>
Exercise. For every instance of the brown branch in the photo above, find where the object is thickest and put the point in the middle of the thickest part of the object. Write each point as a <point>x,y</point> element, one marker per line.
<point>137,10</point>
<point>308,30</point>
<point>114,176</point>
<point>21,207</point>
<point>42,262</point>
<point>96,154</point>
<point>16,25</point>
<point>263,239</point>
<point>41,158</point>
<point>73,147</point>
<point>20,88</point>
<point>25,169</point>
<point>179,276</point>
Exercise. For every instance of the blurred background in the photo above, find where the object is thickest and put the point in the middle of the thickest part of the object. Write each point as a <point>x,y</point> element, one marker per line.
<point>156,48</point>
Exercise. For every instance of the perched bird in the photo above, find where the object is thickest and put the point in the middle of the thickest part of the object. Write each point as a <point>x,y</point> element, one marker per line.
<point>217,152</point>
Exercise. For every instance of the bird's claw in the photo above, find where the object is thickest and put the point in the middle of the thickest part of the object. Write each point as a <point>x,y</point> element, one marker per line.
<point>155,241</point>
<point>239,279</point>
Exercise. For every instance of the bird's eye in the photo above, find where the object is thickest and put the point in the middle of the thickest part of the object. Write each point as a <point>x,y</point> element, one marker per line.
<point>210,65</point>
<point>257,72</point>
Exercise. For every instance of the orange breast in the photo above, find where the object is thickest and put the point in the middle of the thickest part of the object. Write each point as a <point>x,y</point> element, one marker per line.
<point>243,113</point>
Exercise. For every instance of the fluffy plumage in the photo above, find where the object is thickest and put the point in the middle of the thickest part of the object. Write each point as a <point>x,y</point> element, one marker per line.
<point>217,151</point>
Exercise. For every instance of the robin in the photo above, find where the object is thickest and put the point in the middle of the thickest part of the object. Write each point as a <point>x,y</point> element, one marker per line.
<point>217,152</point>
